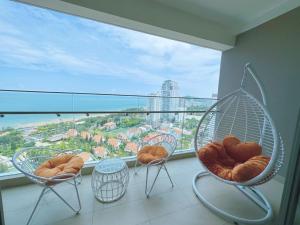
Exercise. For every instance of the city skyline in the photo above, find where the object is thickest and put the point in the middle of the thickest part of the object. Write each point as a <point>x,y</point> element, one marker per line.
<point>67,53</point>
<point>169,88</point>
<point>163,100</point>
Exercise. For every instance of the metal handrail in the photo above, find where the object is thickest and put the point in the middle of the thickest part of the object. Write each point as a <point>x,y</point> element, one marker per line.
<point>95,112</point>
<point>98,94</point>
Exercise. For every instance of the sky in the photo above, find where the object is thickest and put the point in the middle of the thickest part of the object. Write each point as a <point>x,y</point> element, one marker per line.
<point>46,50</point>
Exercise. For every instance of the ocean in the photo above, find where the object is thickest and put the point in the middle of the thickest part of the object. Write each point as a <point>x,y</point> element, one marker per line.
<point>49,102</point>
<point>31,102</point>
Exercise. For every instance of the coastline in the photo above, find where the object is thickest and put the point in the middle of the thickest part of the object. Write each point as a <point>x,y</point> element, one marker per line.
<point>55,121</point>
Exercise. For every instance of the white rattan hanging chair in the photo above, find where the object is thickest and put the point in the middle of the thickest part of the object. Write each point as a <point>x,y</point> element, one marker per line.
<point>243,115</point>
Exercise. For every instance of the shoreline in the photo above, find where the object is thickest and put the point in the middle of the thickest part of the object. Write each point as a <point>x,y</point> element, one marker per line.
<point>54,121</point>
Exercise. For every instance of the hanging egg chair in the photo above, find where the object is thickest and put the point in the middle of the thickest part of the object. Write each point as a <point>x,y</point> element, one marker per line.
<point>243,116</point>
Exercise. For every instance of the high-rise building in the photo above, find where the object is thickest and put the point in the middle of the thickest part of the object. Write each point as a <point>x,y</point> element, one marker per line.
<point>154,104</point>
<point>214,95</point>
<point>169,90</point>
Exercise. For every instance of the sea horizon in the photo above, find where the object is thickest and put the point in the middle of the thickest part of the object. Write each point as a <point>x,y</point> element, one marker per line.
<point>12,102</point>
<point>59,103</point>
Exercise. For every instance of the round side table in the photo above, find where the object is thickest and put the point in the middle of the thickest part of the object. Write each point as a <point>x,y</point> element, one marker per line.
<point>110,179</point>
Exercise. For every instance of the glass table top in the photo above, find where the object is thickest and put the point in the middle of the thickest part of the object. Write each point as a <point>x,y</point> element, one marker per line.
<point>110,165</point>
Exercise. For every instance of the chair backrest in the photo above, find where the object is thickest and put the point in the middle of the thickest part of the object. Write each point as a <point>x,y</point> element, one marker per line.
<point>168,141</point>
<point>27,160</point>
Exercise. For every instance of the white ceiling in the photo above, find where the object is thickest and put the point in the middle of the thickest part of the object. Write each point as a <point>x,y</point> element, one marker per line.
<point>237,15</point>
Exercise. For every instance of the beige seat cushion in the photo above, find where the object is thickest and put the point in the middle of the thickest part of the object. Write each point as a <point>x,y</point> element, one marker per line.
<point>150,153</point>
<point>62,164</point>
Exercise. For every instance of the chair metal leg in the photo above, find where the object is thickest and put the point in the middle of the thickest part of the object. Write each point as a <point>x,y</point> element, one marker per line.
<point>36,205</point>
<point>136,170</point>
<point>147,175</point>
<point>78,180</point>
<point>77,193</point>
<point>49,188</point>
<point>168,175</point>
<point>61,198</point>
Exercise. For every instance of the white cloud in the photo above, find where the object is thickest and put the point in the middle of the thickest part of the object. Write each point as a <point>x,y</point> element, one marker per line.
<point>156,58</point>
<point>16,50</point>
<point>146,43</point>
<point>94,66</point>
<point>196,69</point>
<point>7,28</point>
<point>22,54</point>
<point>158,52</point>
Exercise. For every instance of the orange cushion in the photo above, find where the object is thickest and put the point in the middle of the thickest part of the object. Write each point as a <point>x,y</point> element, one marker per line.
<point>150,153</point>
<point>250,169</point>
<point>59,165</point>
<point>241,151</point>
<point>237,164</point>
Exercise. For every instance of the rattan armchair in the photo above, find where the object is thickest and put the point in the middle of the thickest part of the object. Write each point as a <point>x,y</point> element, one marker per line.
<point>167,141</point>
<point>28,159</point>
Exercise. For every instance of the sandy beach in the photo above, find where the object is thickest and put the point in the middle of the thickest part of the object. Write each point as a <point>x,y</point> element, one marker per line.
<point>58,120</point>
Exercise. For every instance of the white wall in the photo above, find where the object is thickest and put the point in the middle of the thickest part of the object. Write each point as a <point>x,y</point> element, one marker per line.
<point>274,51</point>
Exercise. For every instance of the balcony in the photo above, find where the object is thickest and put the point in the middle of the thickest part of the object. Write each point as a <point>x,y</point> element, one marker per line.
<point>165,206</point>
<point>265,33</point>
<point>74,120</point>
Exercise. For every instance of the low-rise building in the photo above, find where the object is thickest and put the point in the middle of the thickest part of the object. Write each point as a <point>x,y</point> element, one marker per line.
<point>122,137</point>
<point>164,130</point>
<point>110,125</point>
<point>5,160</point>
<point>41,144</point>
<point>147,127</point>
<point>187,132</point>
<point>28,130</point>
<point>177,131</point>
<point>98,138</point>
<point>114,142</point>
<point>85,135</point>
<point>100,151</point>
<point>80,122</point>
<point>134,132</point>
<point>71,133</point>
<point>86,156</point>
<point>131,147</point>
<point>150,136</point>
<point>56,137</point>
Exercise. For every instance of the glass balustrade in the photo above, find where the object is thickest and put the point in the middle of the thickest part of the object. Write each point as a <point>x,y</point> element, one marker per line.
<point>100,125</point>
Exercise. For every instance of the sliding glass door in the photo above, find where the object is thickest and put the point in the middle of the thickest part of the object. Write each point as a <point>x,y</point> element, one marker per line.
<point>290,205</point>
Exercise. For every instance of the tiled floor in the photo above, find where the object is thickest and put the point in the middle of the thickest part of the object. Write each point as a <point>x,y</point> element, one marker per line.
<point>166,206</point>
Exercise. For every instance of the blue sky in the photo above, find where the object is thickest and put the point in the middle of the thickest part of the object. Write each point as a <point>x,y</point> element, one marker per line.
<point>46,50</point>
